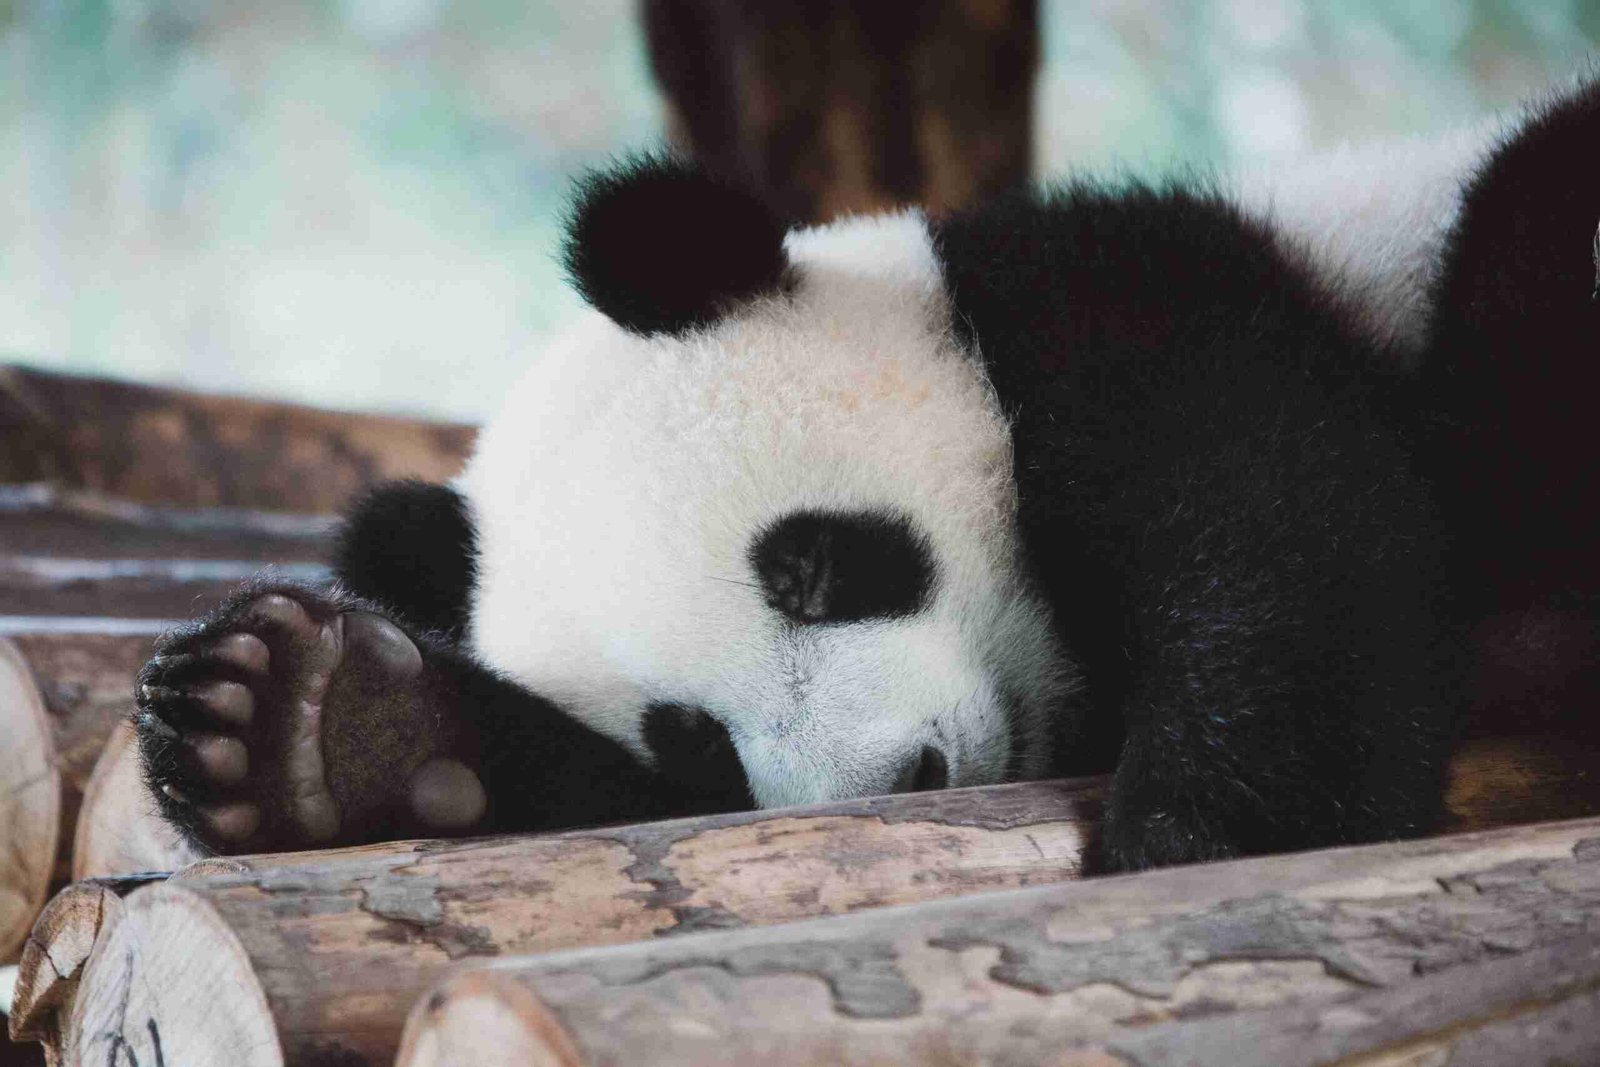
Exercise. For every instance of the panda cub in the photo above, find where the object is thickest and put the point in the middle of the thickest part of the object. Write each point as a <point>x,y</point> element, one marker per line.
<point>1105,478</point>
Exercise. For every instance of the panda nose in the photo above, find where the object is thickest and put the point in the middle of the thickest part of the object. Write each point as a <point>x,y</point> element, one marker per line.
<point>819,566</point>
<point>927,770</point>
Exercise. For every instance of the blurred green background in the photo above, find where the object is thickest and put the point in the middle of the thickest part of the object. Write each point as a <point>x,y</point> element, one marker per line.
<point>356,203</point>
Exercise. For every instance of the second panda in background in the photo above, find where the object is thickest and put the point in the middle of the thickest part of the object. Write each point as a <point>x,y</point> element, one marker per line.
<point>1110,478</point>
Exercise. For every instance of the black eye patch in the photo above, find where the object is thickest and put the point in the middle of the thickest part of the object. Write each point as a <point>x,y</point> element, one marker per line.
<point>822,566</point>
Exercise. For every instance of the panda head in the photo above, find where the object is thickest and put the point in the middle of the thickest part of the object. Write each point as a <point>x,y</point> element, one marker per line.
<point>763,483</point>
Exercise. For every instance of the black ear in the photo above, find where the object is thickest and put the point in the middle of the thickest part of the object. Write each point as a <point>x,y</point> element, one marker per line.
<point>661,247</point>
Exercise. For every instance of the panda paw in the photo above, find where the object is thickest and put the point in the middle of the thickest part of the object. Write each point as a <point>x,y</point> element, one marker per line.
<point>1160,838</point>
<point>285,721</point>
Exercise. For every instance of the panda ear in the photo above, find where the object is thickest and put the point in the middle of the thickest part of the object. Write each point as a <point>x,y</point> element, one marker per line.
<point>661,247</point>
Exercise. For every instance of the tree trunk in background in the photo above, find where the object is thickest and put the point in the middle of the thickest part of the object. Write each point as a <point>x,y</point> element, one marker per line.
<point>827,107</point>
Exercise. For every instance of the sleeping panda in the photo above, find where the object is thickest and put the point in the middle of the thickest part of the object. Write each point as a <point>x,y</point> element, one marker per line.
<point>1170,482</point>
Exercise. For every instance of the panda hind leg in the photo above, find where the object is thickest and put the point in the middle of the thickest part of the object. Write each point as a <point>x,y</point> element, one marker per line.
<point>295,718</point>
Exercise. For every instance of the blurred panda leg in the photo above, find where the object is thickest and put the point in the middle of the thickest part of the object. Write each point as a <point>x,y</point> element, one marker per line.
<point>1294,664</point>
<point>1513,359</point>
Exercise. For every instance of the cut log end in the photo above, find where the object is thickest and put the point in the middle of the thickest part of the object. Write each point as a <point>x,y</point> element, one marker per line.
<point>119,830</point>
<point>486,1020</point>
<point>170,983</point>
<point>30,801</point>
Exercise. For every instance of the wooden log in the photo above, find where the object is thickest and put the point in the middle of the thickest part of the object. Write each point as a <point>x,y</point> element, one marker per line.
<point>829,107</point>
<point>330,949</point>
<point>394,915</point>
<point>194,450</point>
<point>46,520</point>
<point>1301,959</point>
<point>118,830</point>
<point>79,554</point>
<point>1511,781</point>
<point>85,682</point>
<point>30,801</point>
<point>58,947</point>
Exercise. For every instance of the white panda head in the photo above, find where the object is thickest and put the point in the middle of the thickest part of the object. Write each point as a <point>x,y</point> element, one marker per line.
<point>761,482</point>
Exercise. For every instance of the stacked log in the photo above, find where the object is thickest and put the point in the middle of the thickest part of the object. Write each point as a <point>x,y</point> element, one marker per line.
<point>163,446</point>
<point>30,801</point>
<point>1473,949</point>
<point>127,508</point>
<point>322,954</point>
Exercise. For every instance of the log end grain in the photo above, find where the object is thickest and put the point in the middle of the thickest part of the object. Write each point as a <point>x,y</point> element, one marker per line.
<point>484,1019</point>
<point>119,830</point>
<point>30,801</point>
<point>169,983</point>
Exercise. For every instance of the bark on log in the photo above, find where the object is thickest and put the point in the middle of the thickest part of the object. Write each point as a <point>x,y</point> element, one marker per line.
<point>832,107</point>
<point>167,446</point>
<point>30,801</point>
<point>1288,960</point>
<point>334,947</point>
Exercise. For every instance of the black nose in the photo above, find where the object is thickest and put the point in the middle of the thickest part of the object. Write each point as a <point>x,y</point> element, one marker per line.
<point>818,566</point>
<point>928,770</point>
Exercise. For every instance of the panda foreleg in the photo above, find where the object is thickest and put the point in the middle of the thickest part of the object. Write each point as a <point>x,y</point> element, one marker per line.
<point>1288,669</point>
<point>297,717</point>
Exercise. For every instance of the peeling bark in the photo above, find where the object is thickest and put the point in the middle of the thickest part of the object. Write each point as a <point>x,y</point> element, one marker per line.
<point>340,944</point>
<point>1467,946</point>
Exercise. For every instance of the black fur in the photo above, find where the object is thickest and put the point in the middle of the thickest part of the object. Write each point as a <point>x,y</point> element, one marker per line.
<point>660,247</point>
<point>1233,541</point>
<point>1514,364</point>
<point>411,546</point>
<point>823,566</point>
<point>1511,376</point>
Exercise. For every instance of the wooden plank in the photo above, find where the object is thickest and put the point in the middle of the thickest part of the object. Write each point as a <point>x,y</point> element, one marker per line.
<point>1286,960</point>
<point>167,446</point>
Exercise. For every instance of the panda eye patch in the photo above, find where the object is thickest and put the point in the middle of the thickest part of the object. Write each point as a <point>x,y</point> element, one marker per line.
<point>822,566</point>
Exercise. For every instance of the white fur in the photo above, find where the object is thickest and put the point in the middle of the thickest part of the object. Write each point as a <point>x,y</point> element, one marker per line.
<point>618,494</point>
<point>1373,219</point>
